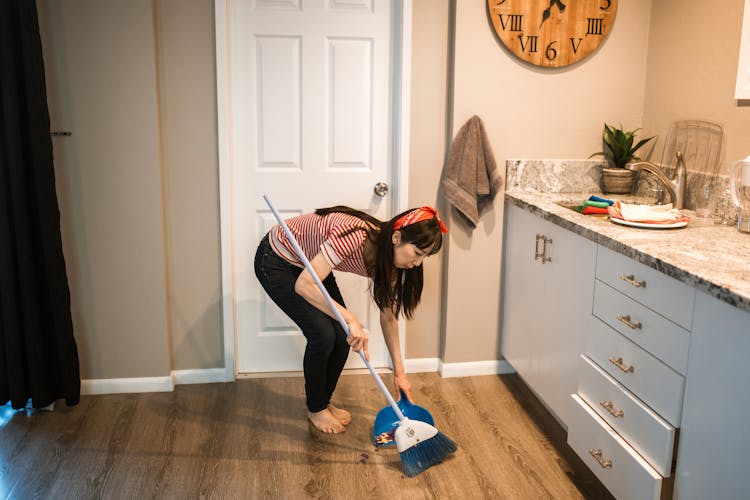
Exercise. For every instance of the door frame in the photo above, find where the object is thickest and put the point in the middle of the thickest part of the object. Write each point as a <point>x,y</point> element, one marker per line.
<point>400,85</point>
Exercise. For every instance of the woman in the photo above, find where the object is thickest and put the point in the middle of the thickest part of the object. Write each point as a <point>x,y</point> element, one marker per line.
<point>342,238</point>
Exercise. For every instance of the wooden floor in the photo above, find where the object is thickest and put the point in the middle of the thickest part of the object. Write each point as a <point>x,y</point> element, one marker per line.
<point>250,439</point>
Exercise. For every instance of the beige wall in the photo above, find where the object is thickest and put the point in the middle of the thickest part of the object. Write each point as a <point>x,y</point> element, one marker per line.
<point>137,181</point>
<point>429,62</point>
<point>187,96</point>
<point>692,69</point>
<point>108,181</point>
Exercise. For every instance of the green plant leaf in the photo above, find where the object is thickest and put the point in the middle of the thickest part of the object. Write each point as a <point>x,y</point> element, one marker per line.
<point>618,146</point>
<point>641,143</point>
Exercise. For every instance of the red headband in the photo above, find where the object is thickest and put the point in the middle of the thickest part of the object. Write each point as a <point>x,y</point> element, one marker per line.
<point>418,215</point>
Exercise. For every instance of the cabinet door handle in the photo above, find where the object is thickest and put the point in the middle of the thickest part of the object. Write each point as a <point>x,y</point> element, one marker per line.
<point>610,407</point>
<point>619,364</point>
<point>543,254</point>
<point>625,318</point>
<point>537,253</point>
<point>546,259</point>
<point>630,278</point>
<point>597,454</point>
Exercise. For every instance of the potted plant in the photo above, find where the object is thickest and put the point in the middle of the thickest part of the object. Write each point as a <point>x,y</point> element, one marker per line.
<point>619,151</point>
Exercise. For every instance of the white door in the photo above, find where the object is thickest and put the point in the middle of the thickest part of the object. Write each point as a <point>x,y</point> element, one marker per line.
<point>310,100</point>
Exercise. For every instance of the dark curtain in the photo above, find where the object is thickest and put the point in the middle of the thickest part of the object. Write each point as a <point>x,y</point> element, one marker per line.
<point>38,353</point>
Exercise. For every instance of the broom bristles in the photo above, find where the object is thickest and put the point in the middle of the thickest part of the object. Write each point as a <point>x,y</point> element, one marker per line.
<point>427,453</point>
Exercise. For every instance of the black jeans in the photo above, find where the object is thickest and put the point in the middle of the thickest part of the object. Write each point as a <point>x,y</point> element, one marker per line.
<point>327,349</point>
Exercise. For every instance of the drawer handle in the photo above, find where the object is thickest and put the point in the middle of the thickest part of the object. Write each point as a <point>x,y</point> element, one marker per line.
<point>619,364</point>
<point>543,254</point>
<point>597,454</point>
<point>631,279</point>
<point>625,318</point>
<point>610,407</point>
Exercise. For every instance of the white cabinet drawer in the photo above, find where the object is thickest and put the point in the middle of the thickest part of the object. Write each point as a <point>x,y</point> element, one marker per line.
<point>657,385</point>
<point>625,473</point>
<point>656,334</point>
<point>661,293</point>
<point>650,435</point>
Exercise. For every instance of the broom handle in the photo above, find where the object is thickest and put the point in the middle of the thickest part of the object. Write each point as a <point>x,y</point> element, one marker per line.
<point>333,307</point>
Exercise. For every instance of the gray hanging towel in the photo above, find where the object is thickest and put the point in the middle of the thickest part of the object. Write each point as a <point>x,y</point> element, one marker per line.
<point>471,178</point>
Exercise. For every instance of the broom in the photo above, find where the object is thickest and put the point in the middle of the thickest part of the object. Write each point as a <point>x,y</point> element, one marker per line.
<point>419,444</point>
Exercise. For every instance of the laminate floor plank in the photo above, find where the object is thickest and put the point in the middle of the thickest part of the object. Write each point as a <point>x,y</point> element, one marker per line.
<point>251,439</point>
<point>24,456</point>
<point>96,452</point>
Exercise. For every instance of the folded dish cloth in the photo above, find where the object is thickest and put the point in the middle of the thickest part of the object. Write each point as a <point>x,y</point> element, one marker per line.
<point>647,214</point>
<point>599,199</point>
<point>590,209</point>
<point>598,204</point>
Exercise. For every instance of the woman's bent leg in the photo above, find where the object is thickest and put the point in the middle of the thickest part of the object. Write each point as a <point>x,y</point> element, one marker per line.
<point>326,349</point>
<point>340,351</point>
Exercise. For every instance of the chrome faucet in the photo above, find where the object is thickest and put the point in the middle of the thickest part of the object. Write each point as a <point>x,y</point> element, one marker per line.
<point>675,185</point>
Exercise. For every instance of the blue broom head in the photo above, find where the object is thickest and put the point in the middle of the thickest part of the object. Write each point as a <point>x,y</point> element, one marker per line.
<point>421,446</point>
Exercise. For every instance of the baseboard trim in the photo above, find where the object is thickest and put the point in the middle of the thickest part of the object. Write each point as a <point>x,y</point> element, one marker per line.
<point>126,385</point>
<point>152,384</point>
<point>214,375</point>
<point>421,365</point>
<point>474,368</point>
<point>204,376</point>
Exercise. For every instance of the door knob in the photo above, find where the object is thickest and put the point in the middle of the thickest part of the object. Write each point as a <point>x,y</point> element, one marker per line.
<point>381,189</point>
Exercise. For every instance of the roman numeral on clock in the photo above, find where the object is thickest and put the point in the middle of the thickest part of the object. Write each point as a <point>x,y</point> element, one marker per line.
<point>575,45</point>
<point>595,25</point>
<point>515,20</point>
<point>530,43</point>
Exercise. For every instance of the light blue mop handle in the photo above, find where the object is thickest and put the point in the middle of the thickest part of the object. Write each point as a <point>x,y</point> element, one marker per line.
<point>331,304</point>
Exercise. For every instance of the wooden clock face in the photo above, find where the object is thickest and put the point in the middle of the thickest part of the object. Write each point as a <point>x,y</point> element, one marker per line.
<point>552,33</point>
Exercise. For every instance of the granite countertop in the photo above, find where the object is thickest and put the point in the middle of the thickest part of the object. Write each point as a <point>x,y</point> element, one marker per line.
<point>711,257</point>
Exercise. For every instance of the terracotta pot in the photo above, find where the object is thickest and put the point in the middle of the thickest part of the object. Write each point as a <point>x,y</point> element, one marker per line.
<point>617,180</point>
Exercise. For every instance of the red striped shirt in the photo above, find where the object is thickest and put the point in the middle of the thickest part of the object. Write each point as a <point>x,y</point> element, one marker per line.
<point>330,235</point>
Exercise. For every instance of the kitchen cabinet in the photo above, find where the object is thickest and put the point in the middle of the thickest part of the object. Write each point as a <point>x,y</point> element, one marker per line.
<point>661,404</point>
<point>658,390</point>
<point>714,441</point>
<point>548,276</point>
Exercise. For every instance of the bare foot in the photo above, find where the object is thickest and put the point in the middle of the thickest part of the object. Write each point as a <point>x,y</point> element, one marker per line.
<point>342,416</point>
<point>324,421</point>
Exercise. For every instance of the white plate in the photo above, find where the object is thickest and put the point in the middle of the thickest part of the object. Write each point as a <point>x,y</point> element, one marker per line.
<point>646,225</point>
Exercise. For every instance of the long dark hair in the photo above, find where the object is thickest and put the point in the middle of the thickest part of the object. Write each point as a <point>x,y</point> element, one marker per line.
<point>399,290</point>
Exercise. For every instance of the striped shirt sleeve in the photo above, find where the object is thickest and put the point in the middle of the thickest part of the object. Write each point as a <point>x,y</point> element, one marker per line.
<point>339,237</point>
<point>341,243</point>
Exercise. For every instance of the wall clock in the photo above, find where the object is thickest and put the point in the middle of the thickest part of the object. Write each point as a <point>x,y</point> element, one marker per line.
<point>552,33</point>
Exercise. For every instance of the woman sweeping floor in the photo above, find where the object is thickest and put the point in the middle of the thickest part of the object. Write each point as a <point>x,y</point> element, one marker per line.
<point>389,253</point>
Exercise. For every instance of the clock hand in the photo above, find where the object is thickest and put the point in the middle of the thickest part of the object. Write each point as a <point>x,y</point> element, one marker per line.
<point>548,10</point>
